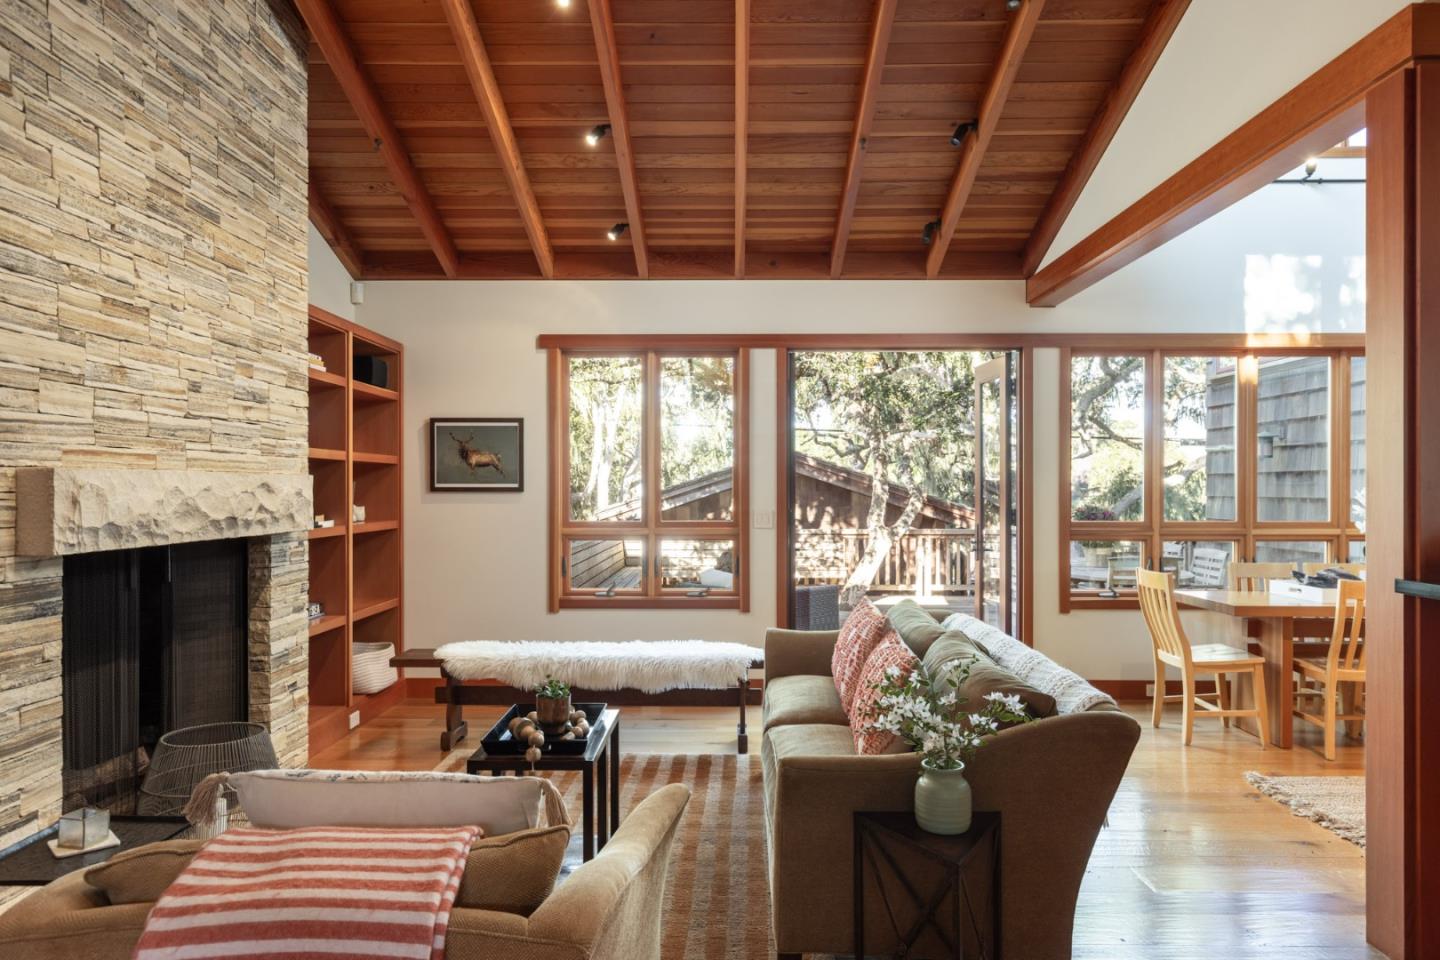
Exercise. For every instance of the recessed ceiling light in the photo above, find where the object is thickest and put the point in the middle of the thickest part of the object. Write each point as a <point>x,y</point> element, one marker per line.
<point>616,231</point>
<point>597,133</point>
<point>1012,4</point>
<point>563,4</point>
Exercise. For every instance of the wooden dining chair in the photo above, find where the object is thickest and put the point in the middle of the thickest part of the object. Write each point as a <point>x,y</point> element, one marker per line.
<point>1256,577</point>
<point>1173,648</point>
<point>1343,665</point>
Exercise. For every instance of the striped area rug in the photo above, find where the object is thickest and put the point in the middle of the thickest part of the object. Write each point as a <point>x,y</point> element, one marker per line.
<point>717,903</point>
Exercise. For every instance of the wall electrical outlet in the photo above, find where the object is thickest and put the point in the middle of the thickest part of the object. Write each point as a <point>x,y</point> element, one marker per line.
<point>354,719</point>
<point>1150,690</point>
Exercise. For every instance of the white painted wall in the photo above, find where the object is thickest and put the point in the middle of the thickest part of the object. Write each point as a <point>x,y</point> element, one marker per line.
<point>329,280</point>
<point>475,563</point>
<point>1193,99</point>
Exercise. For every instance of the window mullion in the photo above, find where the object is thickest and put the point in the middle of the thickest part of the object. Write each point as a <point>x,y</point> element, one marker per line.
<point>1154,446</point>
<point>650,469</point>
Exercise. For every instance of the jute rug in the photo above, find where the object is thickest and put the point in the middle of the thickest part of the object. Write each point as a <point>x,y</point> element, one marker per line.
<point>1336,803</point>
<point>717,903</point>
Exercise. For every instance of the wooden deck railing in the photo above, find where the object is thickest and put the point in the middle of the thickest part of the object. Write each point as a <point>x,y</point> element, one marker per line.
<point>923,563</point>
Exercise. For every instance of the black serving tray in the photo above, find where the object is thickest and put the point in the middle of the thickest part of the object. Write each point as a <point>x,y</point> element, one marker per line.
<point>499,742</point>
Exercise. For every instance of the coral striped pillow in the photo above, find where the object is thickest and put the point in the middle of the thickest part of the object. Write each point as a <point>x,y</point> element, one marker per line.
<point>890,652</point>
<point>860,633</point>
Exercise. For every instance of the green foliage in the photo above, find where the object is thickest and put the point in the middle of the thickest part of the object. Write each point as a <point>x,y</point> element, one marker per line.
<point>553,689</point>
<point>911,415</point>
<point>934,719</point>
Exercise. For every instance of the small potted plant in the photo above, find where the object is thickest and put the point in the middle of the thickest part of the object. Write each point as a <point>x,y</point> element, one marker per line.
<point>552,705</point>
<point>1097,552</point>
<point>938,724</point>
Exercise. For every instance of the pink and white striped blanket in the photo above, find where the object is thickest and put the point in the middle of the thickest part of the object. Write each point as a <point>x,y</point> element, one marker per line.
<point>314,892</point>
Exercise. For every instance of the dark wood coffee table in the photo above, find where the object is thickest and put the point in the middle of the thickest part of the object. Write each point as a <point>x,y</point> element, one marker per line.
<point>599,768</point>
<point>28,863</point>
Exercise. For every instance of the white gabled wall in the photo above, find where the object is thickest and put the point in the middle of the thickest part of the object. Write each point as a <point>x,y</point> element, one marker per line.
<point>329,280</point>
<point>1227,61</point>
<point>476,563</point>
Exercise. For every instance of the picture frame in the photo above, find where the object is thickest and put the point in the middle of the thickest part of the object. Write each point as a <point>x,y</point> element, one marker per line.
<point>477,454</point>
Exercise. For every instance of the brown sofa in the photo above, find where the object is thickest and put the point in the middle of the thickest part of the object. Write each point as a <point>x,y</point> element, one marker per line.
<point>609,908</point>
<point>1052,781</point>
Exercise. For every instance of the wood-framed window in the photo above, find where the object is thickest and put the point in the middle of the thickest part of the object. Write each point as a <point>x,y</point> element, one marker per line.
<point>649,484</point>
<point>1191,459</point>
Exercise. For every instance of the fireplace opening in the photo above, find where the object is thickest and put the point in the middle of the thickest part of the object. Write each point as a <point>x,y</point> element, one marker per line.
<point>154,639</point>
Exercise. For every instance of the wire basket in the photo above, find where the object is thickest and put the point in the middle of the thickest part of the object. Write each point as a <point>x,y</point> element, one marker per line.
<point>186,756</point>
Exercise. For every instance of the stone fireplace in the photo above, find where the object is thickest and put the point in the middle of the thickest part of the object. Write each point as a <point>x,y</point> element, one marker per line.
<point>119,532</point>
<point>152,335</point>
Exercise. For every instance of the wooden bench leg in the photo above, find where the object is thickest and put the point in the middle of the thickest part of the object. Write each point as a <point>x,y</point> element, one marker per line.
<point>742,738</point>
<point>455,726</point>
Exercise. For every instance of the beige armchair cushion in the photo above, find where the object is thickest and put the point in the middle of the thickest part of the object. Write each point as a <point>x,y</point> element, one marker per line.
<point>142,874</point>
<point>513,873</point>
<point>802,699</point>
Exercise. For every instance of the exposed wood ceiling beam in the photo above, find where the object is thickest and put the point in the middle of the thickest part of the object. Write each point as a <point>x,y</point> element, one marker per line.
<point>972,151</point>
<point>1159,27</point>
<point>325,27</point>
<point>497,122</point>
<point>334,232</point>
<point>742,127</point>
<point>1318,113</point>
<point>603,23</point>
<point>864,116</point>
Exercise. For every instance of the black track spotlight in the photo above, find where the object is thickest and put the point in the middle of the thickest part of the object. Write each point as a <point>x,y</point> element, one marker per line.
<point>961,132</point>
<point>927,236</point>
<point>597,133</point>
<point>617,231</point>
<point>1311,166</point>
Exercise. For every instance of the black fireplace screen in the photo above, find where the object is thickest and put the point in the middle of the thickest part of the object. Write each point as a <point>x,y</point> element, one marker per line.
<point>154,639</point>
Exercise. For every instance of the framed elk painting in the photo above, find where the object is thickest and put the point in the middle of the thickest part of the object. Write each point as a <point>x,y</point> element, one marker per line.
<point>477,453</point>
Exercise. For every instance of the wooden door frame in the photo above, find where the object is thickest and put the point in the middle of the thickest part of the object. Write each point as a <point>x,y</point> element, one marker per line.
<point>1023,344</point>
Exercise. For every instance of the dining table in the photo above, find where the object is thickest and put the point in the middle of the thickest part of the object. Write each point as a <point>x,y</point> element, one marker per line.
<point>1279,619</point>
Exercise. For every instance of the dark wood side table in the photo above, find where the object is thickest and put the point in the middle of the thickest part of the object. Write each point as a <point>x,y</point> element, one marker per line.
<point>878,834</point>
<point>599,768</point>
<point>29,863</point>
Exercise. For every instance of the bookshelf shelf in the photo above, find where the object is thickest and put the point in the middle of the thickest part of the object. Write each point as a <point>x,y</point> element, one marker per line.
<point>356,569</point>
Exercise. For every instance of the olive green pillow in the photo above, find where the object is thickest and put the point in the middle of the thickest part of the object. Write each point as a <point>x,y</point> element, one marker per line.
<point>948,657</point>
<point>915,625</point>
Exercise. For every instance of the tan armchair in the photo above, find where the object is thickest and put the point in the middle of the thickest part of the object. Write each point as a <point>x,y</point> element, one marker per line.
<point>609,908</point>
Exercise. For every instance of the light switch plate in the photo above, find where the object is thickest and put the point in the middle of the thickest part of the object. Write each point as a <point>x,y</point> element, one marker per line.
<point>764,519</point>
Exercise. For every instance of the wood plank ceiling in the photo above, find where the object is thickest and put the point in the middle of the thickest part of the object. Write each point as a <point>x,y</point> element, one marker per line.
<point>447,137</point>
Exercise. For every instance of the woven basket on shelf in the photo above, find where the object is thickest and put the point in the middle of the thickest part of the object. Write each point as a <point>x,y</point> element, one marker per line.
<point>370,667</point>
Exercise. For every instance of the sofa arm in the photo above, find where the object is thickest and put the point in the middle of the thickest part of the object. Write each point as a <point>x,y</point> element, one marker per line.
<point>68,920</point>
<point>790,653</point>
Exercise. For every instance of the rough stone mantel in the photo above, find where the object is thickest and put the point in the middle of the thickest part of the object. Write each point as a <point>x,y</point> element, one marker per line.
<point>62,511</point>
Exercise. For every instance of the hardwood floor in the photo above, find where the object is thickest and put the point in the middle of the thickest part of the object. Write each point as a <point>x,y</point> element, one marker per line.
<point>1194,863</point>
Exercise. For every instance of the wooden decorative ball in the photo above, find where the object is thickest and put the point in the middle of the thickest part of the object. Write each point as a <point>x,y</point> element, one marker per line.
<point>533,716</point>
<point>537,738</point>
<point>533,754</point>
<point>577,715</point>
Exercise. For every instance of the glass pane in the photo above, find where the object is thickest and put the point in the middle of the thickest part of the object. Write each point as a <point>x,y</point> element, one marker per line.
<point>1104,564</point>
<point>1293,448</point>
<point>1107,438</point>
<point>1198,563</point>
<point>1357,442</point>
<point>882,488</point>
<point>604,565</point>
<point>1355,552</point>
<point>696,564</point>
<point>1290,551</point>
<point>697,438</point>
<point>991,461</point>
<point>605,446</point>
<point>1200,438</point>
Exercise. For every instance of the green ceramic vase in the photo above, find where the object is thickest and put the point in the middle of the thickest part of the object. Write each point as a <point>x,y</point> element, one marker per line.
<point>942,800</point>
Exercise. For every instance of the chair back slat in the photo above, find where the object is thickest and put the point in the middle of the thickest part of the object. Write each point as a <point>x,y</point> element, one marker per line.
<point>1256,577</point>
<point>1162,614</point>
<point>1347,644</point>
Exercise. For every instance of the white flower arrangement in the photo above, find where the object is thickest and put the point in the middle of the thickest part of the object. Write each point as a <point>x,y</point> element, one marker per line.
<point>933,718</point>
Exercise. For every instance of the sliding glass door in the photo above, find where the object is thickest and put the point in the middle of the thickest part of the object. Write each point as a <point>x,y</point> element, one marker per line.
<point>901,480</point>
